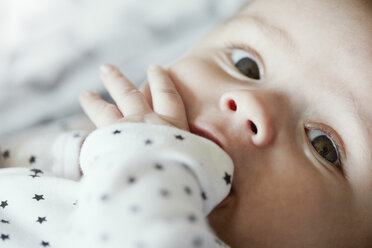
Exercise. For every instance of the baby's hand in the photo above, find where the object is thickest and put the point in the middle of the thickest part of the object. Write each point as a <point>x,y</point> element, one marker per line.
<point>131,104</point>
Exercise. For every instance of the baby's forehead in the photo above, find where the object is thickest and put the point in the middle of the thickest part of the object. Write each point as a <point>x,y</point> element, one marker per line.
<point>345,18</point>
<point>333,29</point>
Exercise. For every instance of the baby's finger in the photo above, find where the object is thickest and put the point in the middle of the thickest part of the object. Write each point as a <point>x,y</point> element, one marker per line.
<point>165,98</point>
<point>100,112</point>
<point>145,89</point>
<point>126,95</point>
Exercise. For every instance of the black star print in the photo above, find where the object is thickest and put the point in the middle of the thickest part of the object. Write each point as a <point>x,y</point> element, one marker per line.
<point>4,236</point>
<point>44,243</point>
<point>4,204</point>
<point>116,132</point>
<point>41,219</point>
<point>38,197</point>
<point>32,159</point>
<point>227,178</point>
<point>159,167</point>
<point>188,190</point>
<point>75,203</point>
<point>6,154</point>
<point>192,218</point>
<point>5,221</point>
<point>76,135</point>
<point>179,137</point>
<point>164,192</point>
<point>148,142</point>
<point>36,171</point>
<point>131,179</point>
<point>204,196</point>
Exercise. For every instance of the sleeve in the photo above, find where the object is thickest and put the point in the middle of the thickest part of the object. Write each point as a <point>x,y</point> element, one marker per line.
<point>54,152</point>
<point>148,186</point>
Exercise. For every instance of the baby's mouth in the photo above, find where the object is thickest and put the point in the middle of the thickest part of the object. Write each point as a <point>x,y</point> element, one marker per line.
<point>205,134</point>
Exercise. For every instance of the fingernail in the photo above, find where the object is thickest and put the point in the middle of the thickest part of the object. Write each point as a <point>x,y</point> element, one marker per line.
<point>106,68</point>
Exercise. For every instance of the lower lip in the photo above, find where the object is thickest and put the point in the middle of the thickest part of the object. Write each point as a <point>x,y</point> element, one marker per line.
<point>205,134</point>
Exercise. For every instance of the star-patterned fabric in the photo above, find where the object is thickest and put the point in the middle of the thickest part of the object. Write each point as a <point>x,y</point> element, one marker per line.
<point>55,152</point>
<point>143,186</point>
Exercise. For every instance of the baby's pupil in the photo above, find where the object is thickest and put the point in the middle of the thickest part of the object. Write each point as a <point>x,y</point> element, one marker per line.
<point>324,146</point>
<point>248,67</point>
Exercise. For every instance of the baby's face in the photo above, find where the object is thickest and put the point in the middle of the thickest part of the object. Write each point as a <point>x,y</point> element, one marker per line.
<point>286,89</point>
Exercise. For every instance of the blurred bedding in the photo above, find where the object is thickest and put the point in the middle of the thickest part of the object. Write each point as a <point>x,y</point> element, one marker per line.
<point>51,49</point>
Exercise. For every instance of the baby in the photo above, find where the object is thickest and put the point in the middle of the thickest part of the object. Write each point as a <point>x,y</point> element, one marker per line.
<point>283,90</point>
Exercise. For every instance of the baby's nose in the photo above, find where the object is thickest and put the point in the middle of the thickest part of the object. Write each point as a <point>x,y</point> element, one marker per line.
<point>249,109</point>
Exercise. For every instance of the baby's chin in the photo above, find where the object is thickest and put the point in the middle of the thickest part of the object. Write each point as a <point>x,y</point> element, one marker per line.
<point>217,220</point>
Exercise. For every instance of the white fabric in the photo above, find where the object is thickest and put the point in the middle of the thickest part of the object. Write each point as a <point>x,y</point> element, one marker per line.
<point>143,186</point>
<point>53,151</point>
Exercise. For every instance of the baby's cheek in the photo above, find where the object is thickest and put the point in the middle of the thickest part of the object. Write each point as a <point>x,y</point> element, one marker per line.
<point>284,209</point>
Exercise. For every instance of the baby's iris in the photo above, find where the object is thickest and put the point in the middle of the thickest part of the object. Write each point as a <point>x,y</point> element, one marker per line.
<point>324,146</point>
<point>246,64</point>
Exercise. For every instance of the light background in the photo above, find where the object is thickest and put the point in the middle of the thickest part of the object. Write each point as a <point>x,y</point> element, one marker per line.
<point>50,50</point>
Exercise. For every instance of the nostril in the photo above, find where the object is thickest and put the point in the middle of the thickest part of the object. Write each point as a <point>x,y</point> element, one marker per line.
<point>232,105</point>
<point>253,127</point>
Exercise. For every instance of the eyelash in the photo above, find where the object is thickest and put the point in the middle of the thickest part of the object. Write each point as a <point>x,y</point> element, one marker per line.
<point>335,140</point>
<point>255,55</point>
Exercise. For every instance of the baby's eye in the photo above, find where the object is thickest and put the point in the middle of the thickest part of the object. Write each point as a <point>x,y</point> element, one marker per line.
<point>246,63</point>
<point>325,146</point>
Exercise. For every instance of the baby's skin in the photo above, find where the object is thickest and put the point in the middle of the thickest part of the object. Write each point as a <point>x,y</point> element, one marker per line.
<point>284,88</point>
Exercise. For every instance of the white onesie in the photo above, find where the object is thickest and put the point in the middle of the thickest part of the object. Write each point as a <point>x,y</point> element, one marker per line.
<point>143,186</point>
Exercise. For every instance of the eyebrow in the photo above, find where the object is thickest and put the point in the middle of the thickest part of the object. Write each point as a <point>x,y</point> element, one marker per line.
<point>271,32</point>
<point>354,112</point>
